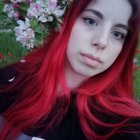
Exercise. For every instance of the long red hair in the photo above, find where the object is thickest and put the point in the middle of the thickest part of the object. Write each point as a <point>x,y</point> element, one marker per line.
<point>109,93</point>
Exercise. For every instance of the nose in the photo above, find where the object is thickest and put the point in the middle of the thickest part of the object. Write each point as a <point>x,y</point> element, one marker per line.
<point>100,38</point>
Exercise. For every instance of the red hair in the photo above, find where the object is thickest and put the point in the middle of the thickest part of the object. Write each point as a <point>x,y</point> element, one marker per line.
<point>109,93</point>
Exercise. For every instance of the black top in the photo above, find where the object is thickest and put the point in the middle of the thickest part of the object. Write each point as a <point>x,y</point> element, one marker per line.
<point>69,128</point>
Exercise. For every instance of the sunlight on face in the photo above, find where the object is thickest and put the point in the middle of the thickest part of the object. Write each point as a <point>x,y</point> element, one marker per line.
<point>97,37</point>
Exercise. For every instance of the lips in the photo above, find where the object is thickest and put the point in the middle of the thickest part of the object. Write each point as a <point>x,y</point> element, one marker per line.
<point>90,59</point>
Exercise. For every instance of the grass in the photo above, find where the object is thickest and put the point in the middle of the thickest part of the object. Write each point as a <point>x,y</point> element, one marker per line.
<point>137,75</point>
<point>137,83</point>
<point>10,48</point>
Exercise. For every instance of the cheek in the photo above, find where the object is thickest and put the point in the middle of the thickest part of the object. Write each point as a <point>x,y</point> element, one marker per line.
<point>73,45</point>
<point>114,54</point>
<point>116,48</point>
<point>70,48</point>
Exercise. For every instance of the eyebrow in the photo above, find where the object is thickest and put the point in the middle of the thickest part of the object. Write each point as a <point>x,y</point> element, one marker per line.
<point>100,15</point>
<point>125,27</point>
<point>97,13</point>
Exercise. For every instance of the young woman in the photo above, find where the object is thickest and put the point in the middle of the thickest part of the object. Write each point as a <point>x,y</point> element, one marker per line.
<point>79,85</point>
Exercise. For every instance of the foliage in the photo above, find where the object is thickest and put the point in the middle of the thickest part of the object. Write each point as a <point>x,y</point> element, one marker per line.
<point>31,20</point>
<point>10,50</point>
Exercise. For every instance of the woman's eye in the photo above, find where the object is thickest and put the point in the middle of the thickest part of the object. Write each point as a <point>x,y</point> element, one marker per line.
<point>90,21</point>
<point>119,35</point>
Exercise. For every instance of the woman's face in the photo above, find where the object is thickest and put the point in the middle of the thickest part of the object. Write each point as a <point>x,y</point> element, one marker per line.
<point>97,37</point>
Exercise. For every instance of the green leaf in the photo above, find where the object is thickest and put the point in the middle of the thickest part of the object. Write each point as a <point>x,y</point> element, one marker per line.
<point>34,23</point>
<point>1,6</point>
<point>38,40</point>
<point>38,29</point>
<point>6,22</point>
<point>24,6</point>
<point>22,13</point>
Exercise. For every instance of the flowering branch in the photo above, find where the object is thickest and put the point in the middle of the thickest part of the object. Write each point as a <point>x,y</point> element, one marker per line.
<point>34,18</point>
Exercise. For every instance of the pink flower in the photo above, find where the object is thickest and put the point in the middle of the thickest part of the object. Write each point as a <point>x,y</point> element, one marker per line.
<point>16,15</point>
<point>16,5</point>
<point>52,4</point>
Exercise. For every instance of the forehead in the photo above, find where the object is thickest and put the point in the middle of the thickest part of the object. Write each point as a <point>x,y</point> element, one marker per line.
<point>116,10</point>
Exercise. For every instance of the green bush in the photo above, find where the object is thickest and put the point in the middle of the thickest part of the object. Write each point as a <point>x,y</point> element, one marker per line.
<point>10,48</point>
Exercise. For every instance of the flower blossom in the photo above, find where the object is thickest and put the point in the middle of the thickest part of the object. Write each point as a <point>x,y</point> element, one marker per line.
<point>25,34</point>
<point>52,4</point>
<point>16,1</point>
<point>43,10</point>
<point>35,10</point>
<point>37,13</point>
<point>9,9</point>
<point>16,15</point>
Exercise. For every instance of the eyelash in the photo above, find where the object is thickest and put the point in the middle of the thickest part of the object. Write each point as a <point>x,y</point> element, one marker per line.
<point>121,35</point>
<point>90,21</point>
<point>95,23</point>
